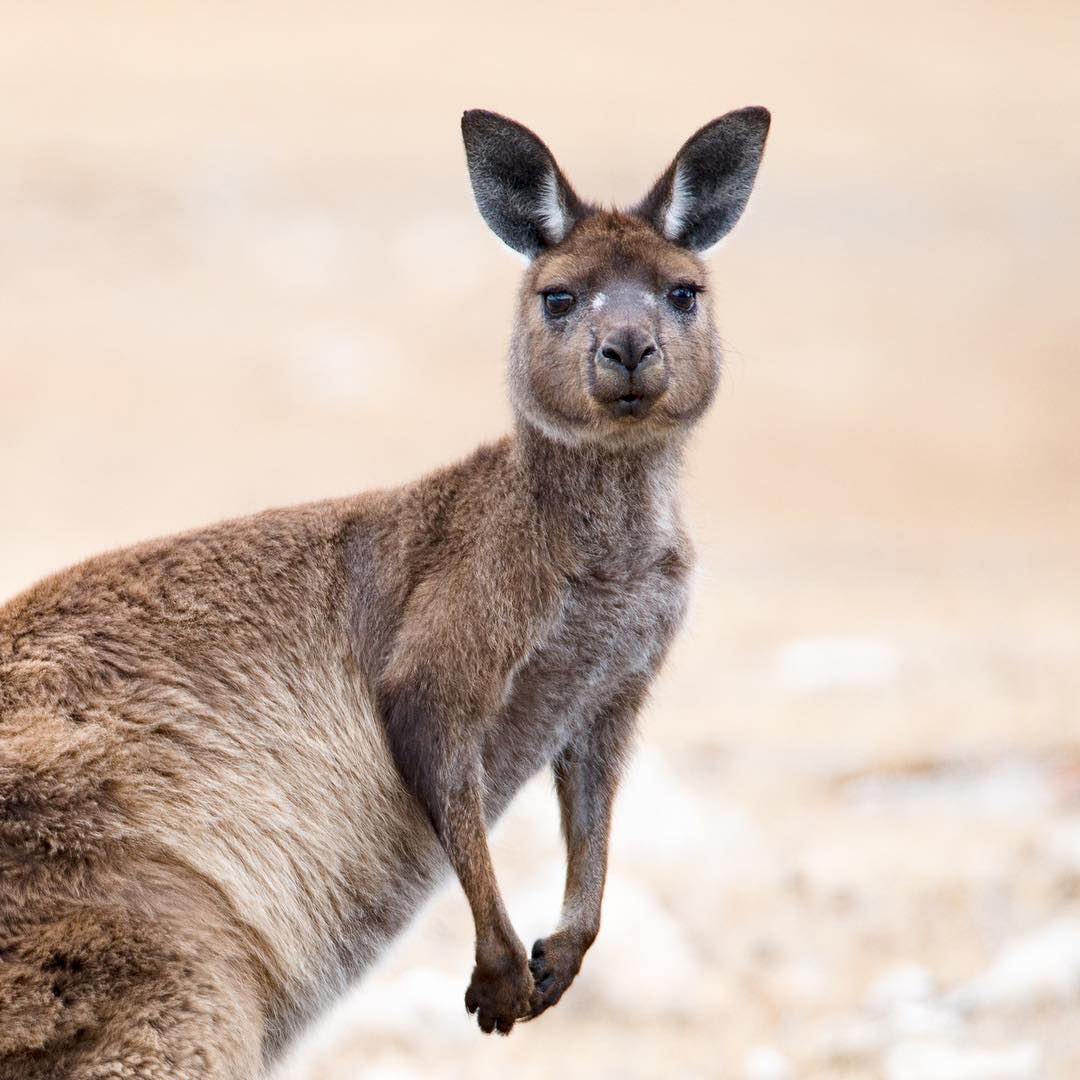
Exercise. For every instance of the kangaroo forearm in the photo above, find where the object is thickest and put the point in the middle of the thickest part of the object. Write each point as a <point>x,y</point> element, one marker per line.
<point>431,748</point>
<point>586,872</point>
<point>585,799</point>
<point>440,763</point>
<point>586,778</point>
<point>463,837</point>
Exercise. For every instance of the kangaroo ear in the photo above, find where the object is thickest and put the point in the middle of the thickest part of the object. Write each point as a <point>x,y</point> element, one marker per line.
<point>519,189</point>
<point>705,189</point>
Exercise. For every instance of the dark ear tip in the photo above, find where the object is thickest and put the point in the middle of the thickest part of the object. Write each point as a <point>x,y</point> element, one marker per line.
<point>476,119</point>
<point>756,116</point>
<point>749,123</point>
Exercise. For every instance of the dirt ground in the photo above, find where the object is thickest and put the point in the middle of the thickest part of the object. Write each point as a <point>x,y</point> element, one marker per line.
<point>240,266</point>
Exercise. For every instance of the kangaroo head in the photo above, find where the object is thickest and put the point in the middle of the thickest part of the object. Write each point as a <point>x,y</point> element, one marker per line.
<point>614,337</point>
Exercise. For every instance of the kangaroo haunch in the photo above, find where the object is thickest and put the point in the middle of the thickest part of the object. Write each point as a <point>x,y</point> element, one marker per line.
<point>233,763</point>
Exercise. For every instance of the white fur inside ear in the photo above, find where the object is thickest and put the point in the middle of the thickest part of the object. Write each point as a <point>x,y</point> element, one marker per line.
<point>551,210</point>
<point>678,206</point>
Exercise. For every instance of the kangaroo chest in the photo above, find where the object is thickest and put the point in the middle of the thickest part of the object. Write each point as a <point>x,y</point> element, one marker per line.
<point>614,626</point>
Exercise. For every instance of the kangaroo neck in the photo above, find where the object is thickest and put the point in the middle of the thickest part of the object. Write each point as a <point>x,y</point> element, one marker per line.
<point>598,497</point>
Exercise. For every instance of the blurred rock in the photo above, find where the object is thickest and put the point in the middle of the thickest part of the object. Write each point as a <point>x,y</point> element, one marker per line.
<point>535,902</point>
<point>853,1044</point>
<point>1039,968</point>
<point>943,1061</point>
<point>800,981</point>
<point>923,1018</point>
<point>390,1067</point>
<point>900,985</point>
<point>900,1002</point>
<point>642,966</point>
<point>657,815</point>
<point>766,1063</point>
<point>812,664</point>
<point>998,787</point>
<point>904,1000</point>
<point>1062,846</point>
<point>660,821</point>
<point>419,998</point>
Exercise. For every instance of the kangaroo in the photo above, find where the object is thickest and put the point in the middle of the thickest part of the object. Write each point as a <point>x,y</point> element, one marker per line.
<point>235,762</point>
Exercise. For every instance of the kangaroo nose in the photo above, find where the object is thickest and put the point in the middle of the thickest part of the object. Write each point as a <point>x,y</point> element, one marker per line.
<point>627,349</point>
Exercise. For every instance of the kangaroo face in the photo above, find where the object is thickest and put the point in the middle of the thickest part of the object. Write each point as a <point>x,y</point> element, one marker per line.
<point>615,337</point>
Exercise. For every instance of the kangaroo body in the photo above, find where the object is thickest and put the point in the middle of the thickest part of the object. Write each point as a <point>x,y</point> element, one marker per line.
<point>233,763</point>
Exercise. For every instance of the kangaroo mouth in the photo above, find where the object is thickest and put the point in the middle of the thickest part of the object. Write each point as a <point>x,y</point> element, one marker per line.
<point>630,407</point>
<point>630,397</point>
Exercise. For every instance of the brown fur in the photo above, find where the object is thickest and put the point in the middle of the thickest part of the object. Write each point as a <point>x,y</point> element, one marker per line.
<point>233,763</point>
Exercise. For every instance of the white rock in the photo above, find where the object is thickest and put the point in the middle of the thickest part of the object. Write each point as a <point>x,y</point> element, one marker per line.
<point>997,789</point>
<point>535,903</point>
<point>656,814</point>
<point>662,825</point>
<point>923,1018</point>
<point>642,966</point>
<point>944,1061</point>
<point>1062,845</point>
<point>420,997</point>
<point>900,985</point>
<point>642,963</point>
<point>809,665</point>
<point>855,1042</point>
<point>391,1067</point>
<point>1041,967</point>
<point>903,999</point>
<point>766,1063</point>
<point>802,980</point>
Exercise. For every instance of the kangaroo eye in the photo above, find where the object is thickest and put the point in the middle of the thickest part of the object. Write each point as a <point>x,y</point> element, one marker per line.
<point>558,303</point>
<point>683,297</point>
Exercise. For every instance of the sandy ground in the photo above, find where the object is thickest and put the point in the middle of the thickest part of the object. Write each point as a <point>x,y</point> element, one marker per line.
<point>240,266</point>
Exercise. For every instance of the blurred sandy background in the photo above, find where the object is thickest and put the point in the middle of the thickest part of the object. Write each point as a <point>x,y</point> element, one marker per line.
<point>240,266</point>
